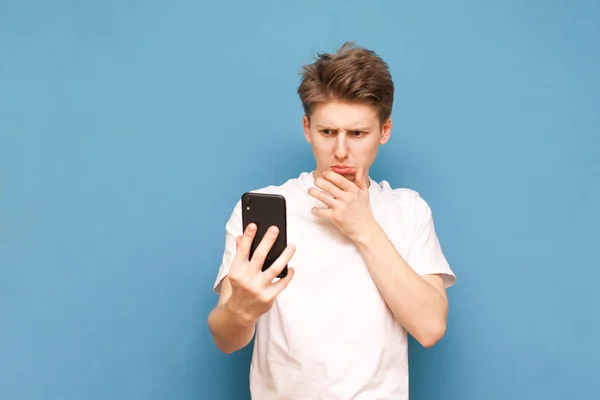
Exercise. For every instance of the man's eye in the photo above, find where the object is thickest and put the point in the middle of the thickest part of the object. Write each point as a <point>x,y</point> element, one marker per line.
<point>326,131</point>
<point>356,133</point>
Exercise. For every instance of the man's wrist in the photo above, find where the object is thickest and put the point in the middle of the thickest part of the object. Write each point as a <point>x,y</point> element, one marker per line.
<point>367,234</point>
<point>237,316</point>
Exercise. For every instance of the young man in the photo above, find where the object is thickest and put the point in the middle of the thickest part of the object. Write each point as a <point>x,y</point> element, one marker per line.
<point>365,264</point>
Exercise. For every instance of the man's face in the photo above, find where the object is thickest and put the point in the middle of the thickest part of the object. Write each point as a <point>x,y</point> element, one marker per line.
<point>345,137</point>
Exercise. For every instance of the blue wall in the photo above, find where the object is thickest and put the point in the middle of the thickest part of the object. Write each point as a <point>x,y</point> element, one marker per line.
<point>128,130</point>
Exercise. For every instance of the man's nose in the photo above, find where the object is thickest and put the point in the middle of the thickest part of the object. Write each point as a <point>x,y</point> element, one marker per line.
<point>341,149</point>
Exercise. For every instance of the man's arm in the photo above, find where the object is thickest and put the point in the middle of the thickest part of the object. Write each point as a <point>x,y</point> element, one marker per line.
<point>229,332</point>
<point>419,303</point>
<point>246,291</point>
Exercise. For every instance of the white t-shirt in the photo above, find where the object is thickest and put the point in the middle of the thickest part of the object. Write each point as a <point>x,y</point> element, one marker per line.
<point>330,334</point>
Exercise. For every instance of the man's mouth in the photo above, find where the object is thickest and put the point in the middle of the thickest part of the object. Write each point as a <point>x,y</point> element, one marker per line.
<point>343,169</point>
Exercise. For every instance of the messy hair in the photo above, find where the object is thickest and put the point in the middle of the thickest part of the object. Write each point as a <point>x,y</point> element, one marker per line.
<point>352,74</point>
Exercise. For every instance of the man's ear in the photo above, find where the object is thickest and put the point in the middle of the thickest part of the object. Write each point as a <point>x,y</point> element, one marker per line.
<point>386,131</point>
<point>306,126</point>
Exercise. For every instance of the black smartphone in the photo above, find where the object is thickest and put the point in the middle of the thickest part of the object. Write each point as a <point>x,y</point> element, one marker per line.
<point>266,210</point>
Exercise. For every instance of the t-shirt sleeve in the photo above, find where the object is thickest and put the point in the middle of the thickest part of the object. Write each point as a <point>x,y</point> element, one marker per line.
<point>233,229</point>
<point>426,255</point>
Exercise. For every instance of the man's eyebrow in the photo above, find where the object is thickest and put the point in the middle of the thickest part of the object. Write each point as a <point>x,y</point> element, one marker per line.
<point>319,126</point>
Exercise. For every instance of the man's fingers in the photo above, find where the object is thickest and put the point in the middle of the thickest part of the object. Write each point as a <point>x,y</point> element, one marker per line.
<point>322,197</point>
<point>360,179</point>
<point>263,248</point>
<point>245,242</point>
<point>281,284</point>
<point>322,212</point>
<point>339,181</point>
<point>327,185</point>
<point>275,269</point>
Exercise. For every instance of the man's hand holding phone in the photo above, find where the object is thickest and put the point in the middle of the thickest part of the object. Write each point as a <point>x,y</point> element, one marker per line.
<point>253,291</point>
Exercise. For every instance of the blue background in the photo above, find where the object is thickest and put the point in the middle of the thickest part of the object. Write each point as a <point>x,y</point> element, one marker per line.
<point>129,129</point>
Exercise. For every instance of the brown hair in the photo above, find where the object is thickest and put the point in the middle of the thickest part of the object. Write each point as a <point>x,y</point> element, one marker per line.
<point>352,74</point>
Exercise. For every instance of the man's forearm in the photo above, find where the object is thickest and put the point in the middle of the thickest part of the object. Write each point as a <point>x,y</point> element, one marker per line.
<point>228,333</point>
<point>416,304</point>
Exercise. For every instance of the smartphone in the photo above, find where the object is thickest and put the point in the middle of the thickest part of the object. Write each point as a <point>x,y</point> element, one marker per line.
<point>266,210</point>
